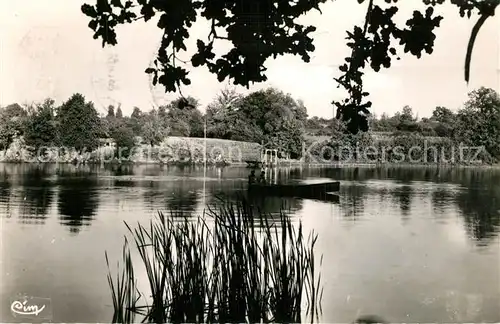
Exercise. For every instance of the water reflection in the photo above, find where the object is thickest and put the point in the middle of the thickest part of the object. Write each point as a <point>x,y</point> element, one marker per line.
<point>5,192</point>
<point>480,208</point>
<point>37,192</point>
<point>370,260</point>
<point>266,205</point>
<point>78,198</point>
<point>474,192</point>
<point>120,170</point>
<point>354,195</point>
<point>403,197</point>
<point>442,199</point>
<point>30,191</point>
<point>181,196</point>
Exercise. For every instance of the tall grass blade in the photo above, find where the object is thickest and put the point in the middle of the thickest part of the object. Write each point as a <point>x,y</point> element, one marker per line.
<point>236,267</point>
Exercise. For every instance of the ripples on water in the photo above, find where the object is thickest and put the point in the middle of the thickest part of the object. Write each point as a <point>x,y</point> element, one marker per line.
<point>411,245</point>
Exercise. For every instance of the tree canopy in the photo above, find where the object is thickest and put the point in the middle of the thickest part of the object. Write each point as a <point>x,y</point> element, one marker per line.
<point>78,124</point>
<point>267,116</point>
<point>479,121</point>
<point>12,119</point>
<point>154,128</point>
<point>221,114</point>
<point>185,121</point>
<point>260,29</point>
<point>41,127</point>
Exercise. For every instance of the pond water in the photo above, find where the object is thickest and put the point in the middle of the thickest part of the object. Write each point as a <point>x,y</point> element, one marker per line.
<point>407,244</point>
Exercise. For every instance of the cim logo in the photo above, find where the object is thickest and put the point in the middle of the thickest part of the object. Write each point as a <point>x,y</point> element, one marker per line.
<point>32,307</point>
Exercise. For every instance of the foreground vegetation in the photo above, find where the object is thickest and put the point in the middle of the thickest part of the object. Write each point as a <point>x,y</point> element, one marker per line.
<point>236,265</point>
<point>257,31</point>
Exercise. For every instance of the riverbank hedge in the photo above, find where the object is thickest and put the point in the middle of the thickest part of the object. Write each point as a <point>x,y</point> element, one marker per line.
<point>174,150</point>
<point>403,148</point>
<point>363,149</point>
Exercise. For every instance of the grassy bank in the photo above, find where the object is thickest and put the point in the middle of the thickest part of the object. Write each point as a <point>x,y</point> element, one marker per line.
<point>231,265</point>
<point>394,165</point>
<point>173,151</point>
<point>185,151</point>
<point>399,149</point>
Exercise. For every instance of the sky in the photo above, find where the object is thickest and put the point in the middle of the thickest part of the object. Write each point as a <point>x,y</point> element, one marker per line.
<point>47,50</point>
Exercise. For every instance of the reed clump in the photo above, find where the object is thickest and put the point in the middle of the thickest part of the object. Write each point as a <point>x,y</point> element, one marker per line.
<point>232,264</point>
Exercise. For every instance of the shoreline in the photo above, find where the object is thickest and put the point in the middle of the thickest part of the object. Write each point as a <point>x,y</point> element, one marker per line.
<point>124,163</point>
<point>298,164</point>
<point>283,165</point>
<point>402,164</point>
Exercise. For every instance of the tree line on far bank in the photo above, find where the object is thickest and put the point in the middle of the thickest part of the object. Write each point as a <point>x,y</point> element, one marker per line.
<point>269,116</point>
<point>475,124</point>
